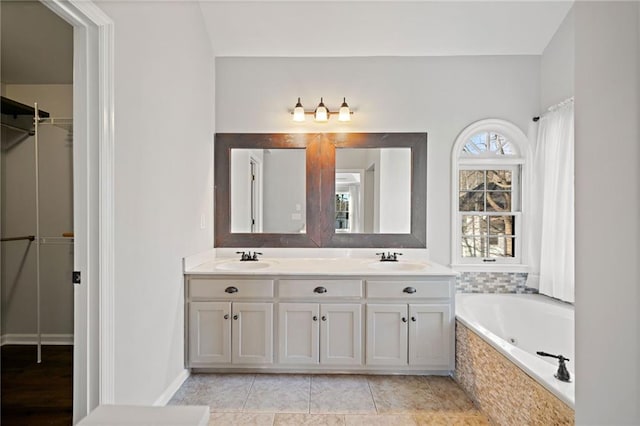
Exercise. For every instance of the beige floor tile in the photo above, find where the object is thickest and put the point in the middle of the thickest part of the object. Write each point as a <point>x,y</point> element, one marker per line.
<point>450,395</point>
<point>431,419</point>
<point>308,420</point>
<point>241,419</point>
<point>229,391</point>
<point>279,394</point>
<point>402,395</point>
<point>341,394</point>
<point>379,420</point>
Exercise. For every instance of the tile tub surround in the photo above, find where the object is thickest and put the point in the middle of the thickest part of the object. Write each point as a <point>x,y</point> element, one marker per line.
<point>505,393</point>
<point>279,399</point>
<point>493,282</point>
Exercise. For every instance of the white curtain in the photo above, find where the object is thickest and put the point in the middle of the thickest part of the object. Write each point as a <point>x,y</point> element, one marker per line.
<point>552,205</point>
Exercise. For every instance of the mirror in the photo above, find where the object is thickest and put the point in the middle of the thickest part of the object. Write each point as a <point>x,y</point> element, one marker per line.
<point>267,190</point>
<point>351,190</point>
<point>373,190</point>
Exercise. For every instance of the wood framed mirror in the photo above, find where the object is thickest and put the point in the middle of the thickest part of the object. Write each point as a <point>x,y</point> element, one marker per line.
<point>353,190</point>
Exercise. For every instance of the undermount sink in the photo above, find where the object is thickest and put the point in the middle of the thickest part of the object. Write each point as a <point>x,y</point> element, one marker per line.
<point>236,265</point>
<point>397,266</point>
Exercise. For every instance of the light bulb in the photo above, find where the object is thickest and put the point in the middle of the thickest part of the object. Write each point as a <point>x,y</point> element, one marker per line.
<point>345,112</point>
<point>298,112</point>
<point>321,113</point>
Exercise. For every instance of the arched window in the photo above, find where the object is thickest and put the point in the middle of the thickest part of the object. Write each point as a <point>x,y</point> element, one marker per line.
<point>488,160</point>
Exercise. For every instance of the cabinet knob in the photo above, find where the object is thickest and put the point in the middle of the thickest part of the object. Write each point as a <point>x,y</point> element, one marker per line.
<point>319,290</point>
<point>231,290</point>
<point>404,319</point>
<point>413,319</point>
<point>409,290</point>
<point>315,318</point>
<point>226,316</point>
<point>235,317</point>
<point>324,318</point>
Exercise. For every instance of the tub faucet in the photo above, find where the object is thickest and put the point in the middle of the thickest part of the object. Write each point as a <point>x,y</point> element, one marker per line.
<point>562,374</point>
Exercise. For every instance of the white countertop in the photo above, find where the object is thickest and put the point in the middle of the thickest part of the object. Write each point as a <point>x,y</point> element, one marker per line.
<point>340,266</point>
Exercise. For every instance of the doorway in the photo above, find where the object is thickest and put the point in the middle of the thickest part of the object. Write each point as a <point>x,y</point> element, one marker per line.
<point>37,251</point>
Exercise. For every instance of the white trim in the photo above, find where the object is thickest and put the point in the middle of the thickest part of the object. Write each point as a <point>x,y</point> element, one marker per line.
<point>521,142</point>
<point>94,351</point>
<point>168,393</point>
<point>32,339</point>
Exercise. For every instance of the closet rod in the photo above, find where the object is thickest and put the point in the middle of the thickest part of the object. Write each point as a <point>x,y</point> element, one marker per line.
<point>9,126</point>
<point>26,237</point>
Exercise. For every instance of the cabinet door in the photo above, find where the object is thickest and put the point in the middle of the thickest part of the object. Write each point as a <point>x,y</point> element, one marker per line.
<point>252,333</point>
<point>430,336</point>
<point>209,332</point>
<point>298,333</point>
<point>341,334</point>
<point>387,334</point>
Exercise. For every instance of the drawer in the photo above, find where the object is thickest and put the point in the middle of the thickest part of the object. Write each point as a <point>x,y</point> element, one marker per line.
<point>215,289</point>
<point>302,289</point>
<point>396,289</point>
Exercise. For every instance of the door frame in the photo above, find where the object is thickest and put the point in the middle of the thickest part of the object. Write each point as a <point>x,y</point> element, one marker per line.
<point>93,207</point>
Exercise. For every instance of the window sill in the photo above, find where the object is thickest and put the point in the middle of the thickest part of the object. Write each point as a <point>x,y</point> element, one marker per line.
<point>519,268</point>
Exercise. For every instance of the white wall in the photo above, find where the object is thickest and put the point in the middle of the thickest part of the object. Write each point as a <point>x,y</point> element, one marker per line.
<point>284,186</point>
<point>395,190</point>
<point>557,68</point>
<point>607,190</point>
<point>56,217</point>
<point>439,95</point>
<point>164,92</point>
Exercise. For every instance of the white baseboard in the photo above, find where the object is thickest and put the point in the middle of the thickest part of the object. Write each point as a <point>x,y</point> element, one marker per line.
<point>172,388</point>
<point>32,339</point>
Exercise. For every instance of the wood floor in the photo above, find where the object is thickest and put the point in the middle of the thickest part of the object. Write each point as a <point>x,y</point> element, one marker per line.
<point>36,394</point>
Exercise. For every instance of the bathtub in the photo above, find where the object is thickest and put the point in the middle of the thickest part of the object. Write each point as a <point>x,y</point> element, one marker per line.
<point>518,325</point>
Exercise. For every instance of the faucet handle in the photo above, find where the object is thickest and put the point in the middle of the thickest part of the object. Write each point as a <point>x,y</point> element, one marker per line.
<point>395,255</point>
<point>255,255</point>
<point>384,256</point>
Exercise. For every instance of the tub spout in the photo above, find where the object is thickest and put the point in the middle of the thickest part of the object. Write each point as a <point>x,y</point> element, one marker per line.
<point>562,374</point>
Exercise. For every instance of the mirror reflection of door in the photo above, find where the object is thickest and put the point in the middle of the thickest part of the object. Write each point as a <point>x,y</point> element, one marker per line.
<point>373,190</point>
<point>268,190</point>
<point>350,188</point>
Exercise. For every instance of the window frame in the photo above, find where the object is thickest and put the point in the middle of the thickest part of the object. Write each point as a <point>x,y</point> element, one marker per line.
<point>518,165</point>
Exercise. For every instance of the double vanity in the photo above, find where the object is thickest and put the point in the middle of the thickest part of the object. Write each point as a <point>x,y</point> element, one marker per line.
<point>330,315</point>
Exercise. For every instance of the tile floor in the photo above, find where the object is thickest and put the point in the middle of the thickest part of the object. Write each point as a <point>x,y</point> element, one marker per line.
<point>284,399</point>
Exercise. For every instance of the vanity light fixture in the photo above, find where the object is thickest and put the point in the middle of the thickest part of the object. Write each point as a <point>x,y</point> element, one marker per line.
<point>321,114</point>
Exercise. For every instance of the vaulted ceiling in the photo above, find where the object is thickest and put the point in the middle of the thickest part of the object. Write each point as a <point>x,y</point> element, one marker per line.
<point>37,46</point>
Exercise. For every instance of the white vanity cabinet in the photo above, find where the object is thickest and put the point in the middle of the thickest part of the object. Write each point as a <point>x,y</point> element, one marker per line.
<point>316,326</point>
<point>419,334</point>
<point>320,323</point>
<point>238,330</point>
<point>326,334</point>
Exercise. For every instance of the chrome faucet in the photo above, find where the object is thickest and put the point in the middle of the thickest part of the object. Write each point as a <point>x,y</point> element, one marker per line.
<point>389,257</point>
<point>248,257</point>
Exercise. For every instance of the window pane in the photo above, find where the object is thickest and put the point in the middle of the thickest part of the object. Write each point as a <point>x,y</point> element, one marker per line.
<point>501,225</point>
<point>473,247</point>
<point>499,180</point>
<point>500,145</point>
<point>501,247</point>
<point>471,180</point>
<point>474,225</point>
<point>471,201</point>
<point>498,201</point>
<point>476,144</point>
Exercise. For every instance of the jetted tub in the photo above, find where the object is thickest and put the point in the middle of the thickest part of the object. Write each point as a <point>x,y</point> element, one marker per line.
<point>519,325</point>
